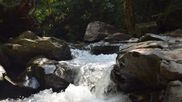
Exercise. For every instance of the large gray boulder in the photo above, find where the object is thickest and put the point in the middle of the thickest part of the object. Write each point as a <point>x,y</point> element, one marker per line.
<point>139,71</point>
<point>97,31</point>
<point>145,69</point>
<point>26,46</point>
<point>43,73</point>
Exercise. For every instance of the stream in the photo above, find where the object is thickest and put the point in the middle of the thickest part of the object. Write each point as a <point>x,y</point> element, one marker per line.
<point>90,84</point>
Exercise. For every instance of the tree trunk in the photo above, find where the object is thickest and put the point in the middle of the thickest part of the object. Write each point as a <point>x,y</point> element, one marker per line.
<point>129,17</point>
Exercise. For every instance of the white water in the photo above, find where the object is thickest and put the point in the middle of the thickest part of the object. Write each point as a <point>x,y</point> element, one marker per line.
<point>93,72</point>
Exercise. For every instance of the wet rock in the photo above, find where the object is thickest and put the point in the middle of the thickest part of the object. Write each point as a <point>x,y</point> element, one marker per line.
<point>61,69</point>
<point>175,33</point>
<point>104,49</point>
<point>10,89</point>
<point>67,72</point>
<point>5,77</point>
<point>49,74</point>
<point>145,69</point>
<point>55,82</point>
<point>148,67</point>
<point>148,37</point>
<point>23,48</point>
<point>140,72</point>
<point>137,69</point>
<point>157,45</point>
<point>174,92</point>
<point>117,37</point>
<point>173,54</point>
<point>28,35</point>
<point>97,31</point>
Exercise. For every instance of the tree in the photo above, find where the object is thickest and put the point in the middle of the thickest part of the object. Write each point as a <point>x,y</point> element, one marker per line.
<point>129,17</point>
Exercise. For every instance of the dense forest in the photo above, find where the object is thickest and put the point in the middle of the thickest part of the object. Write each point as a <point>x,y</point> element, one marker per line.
<point>68,19</point>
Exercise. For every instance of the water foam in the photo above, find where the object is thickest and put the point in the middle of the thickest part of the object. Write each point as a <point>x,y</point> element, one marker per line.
<point>93,70</point>
<point>71,94</point>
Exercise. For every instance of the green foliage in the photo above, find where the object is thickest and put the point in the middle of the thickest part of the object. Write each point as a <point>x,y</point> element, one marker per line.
<point>9,2</point>
<point>69,18</point>
<point>46,8</point>
<point>72,16</point>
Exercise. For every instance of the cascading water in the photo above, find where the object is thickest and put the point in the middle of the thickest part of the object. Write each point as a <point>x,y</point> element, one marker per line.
<point>93,75</point>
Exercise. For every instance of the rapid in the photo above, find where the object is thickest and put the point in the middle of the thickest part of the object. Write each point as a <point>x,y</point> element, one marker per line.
<point>90,84</point>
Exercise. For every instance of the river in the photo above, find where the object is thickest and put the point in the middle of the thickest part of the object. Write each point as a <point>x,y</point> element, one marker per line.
<point>94,73</point>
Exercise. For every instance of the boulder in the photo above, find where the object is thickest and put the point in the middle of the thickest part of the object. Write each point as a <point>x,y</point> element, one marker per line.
<point>172,55</point>
<point>149,36</point>
<point>175,33</point>
<point>137,69</point>
<point>157,45</point>
<point>104,49</point>
<point>97,31</point>
<point>4,76</point>
<point>174,92</point>
<point>28,35</point>
<point>23,48</point>
<point>10,89</point>
<point>145,69</point>
<point>61,68</point>
<point>117,37</point>
<point>141,71</point>
<point>67,72</point>
<point>48,74</point>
